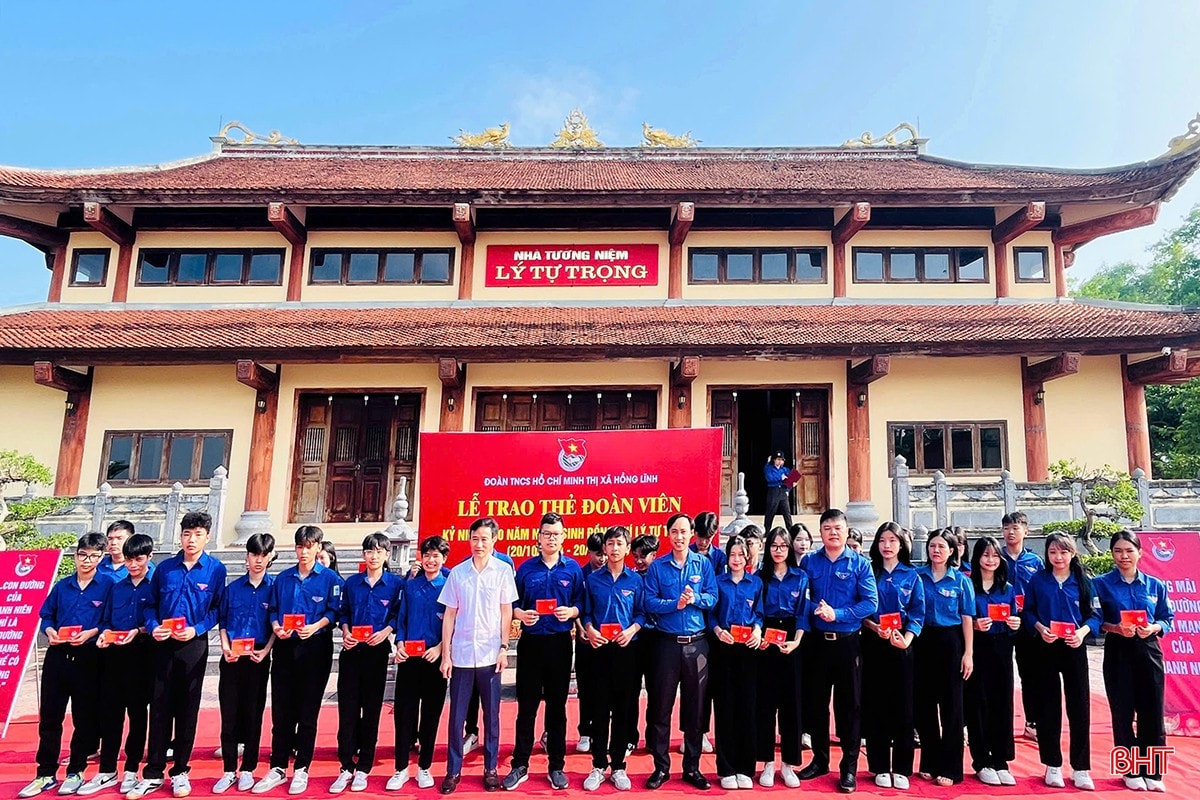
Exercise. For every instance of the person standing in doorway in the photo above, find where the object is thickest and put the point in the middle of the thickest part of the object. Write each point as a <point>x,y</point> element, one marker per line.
<point>778,492</point>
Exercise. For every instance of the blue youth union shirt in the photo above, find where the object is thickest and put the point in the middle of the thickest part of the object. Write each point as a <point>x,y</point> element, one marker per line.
<point>992,597</point>
<point>421,614</point>
<point>68,604</point>
<point>1047,600</point>
<point>317,595</point>
<point>562,583</point>
<point>947,599</point>
<point>901,591</point>
<point>246,609</point>
<point>126,606</point>
<point>738,602</point>
<point>194,594</point>
<point>377,606</point>
<point>1144,593</point>
<point>846,584</point>
<point>610,601</point>
<point>787,596</point>
<point>665,581</point>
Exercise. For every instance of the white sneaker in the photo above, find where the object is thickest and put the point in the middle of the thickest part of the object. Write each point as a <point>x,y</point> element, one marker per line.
<point>143,788</point>
<point>181,786</point>
<point>790,778</point>
<point>1083,780</point>
<point>245,781</point>
<point>1155,785</point>
<point>621,781</point>
<point>584,745</point>
<point>38,785</point>
<point>1006,777</point>
<point>397,781</point>
<point>729,782</point>
<point>299,784</point>
<point>274,777</point>
<point>343,780</point>
<point>883,780</point>
<point>592,782</point>
<point>744,782</point>
<point>766,778</point>
<point>424,779</point>
<point>706,744</point>
<point>225,783</point>
<point>1135,783</point>
<point>359,784</point>
<point>71,784</point>
<point>102,781</point>
<point>128,781</point>
<point>988,776</point>
<point>1054,778</point>
<point>470,742</point>
<point>900,782</point>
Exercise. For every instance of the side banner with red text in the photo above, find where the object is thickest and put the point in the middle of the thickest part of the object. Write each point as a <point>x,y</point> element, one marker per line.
<point>594,479</point>
<point>25,580</point>
<point>1175,558</point>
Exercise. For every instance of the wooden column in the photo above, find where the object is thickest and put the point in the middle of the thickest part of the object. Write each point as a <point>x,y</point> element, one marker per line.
<point>1062,259</point>
<point>1016,224</point>
<point>858,423</point>
<point>679,403</point>
<point>58,275</point>
<point>463,216</point>
<point>1137,424</point>
<point>454,380</point>
<point>853,222</point>
<point>682,217</point>
<point>262,434</point>
<point>120,232</point>
<point>1033,380</point>
<point>120,291</point>
<point>78,388</point>
<point>289,226</point>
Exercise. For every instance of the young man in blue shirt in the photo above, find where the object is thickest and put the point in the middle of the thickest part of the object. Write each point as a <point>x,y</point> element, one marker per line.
<point>70,672</point>
<point>185,595</point>
<point>1023,564</point>
<point>125,667</point>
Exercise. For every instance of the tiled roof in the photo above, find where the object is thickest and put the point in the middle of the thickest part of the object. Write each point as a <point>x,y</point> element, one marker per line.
<point>127,334</point>
<point>246,173</point>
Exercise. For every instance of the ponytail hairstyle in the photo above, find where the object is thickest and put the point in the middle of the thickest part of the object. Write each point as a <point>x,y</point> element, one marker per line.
<point>903,554</point>
<point>1067,543</point>
<point>952,540</point>
<point>1125,535</point>
<point>1000,576</point>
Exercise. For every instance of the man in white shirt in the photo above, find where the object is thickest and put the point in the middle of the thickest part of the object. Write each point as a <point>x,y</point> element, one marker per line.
<point>478,596</point>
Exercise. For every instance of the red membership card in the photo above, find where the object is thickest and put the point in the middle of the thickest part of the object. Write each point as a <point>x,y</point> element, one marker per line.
<point>293,622</point>
<point>610,630</point>
<point>67,631</point>
<point>177,624</point>
<point>361,632</point>
<point>112,637</point>
<point>414,647</point>
<point>1020,602</point>
<point>999,612</point>
<point>546,606</point>
<point>741,633</point>
<point>775,636</point>
<point>242,647</point>
<point>1136,617</point>
<point>889,622</point>
<point>1063,630</point>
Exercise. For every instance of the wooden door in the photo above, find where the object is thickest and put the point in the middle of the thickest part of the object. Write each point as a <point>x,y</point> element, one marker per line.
<point>308,493</point>
<point>724,416</point>
<point>812,451</point>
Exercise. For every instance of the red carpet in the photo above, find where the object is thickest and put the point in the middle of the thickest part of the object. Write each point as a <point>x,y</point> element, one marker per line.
<point>1183,776</point>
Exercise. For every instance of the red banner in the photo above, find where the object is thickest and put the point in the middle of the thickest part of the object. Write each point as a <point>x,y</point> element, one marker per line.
<point>1175,559</point>
<point>571,265</point>
<point>25,580</point>
<point>594,479</point>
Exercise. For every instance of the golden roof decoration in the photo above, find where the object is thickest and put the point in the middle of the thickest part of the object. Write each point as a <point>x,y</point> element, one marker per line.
<point>657,137</point>
<point>889,139</point>
<point>577,133</point>
<point>272,138</point>
<point>1186,140</point>
<point>495,138</point>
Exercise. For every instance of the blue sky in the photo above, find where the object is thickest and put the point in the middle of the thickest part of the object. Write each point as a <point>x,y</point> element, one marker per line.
<point>1068,84</point>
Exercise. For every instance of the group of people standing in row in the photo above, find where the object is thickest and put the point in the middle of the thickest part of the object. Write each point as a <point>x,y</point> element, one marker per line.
<point>764,631</point>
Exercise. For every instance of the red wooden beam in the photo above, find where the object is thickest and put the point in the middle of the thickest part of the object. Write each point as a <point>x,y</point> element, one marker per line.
<point>685,371</point>
<point>1051,369</point>
<point>1137,422</point>
<point>58,274</point>
<point>451,373</point>
<point>43,237</point>
<point>256,376</point>
<point>1023,220</point>
<point>1082,232</point>
<point>682,217</point>
<point>108,223</point>
<point>853,222</point>
<point>287,223</point>
<point>869,371</point>
<point>47,373</point>
<point>1037,449</point>
<point>121,279</point>
<point>1168,368</point>
<point>464,222</point>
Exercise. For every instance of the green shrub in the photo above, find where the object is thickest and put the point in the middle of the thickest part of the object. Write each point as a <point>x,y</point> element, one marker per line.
<point>1098,564</point>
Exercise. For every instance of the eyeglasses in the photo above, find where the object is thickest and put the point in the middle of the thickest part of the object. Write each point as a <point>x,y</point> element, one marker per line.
<point>88,556</point>
<point>780,546</point>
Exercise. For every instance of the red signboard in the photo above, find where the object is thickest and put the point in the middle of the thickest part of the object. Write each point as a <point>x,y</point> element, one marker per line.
<point>25,580</point>
<point>572,265</point>
<point>1175,559</point>
<point>594,479</point>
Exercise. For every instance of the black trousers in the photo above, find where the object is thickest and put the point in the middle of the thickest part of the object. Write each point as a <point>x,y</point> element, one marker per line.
<point>887,705</point>
<point>127,677</point>
<point>938,700</point>
<point>1063,672</point>
<point>778,502</point>
<point>175,703</point>
<point>585,668</point>
<point>683,668</point>
<point>298,677</point>
<point>778,700</point>
<point>420,697</point>
<point>242,692</point>
<point>833,666</point>
<point>615,691</point>
<point>69,674</point>
<point>543,673</point>
<point>362,675</point>
<point>734,692</point>
<point>644,664</point>
<point>988,702</point>
<point>1133,681</point>
<point>1025,647</point>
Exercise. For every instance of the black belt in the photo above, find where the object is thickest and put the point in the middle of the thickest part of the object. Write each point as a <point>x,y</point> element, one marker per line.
<point>692,639</point>
<point>833,636</point>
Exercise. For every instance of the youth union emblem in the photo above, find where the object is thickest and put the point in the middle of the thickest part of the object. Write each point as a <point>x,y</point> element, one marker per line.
<point>1163,549</point>
<point>571,453</point>
<point>25,564</point>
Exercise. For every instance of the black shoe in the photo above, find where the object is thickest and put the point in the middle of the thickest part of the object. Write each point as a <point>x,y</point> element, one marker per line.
<point>697,780</point>
<point>515,778</point>
<point>491,780</point>
<point>848,783</point>
<point>813,770</point>
<point>558,779</point>
<point>656,779</point>
<point>449,784</point>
